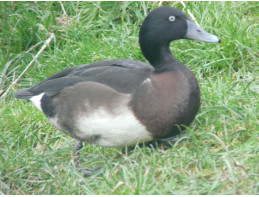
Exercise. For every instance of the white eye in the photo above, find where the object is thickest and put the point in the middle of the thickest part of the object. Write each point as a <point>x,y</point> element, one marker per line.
<point>171,18</point>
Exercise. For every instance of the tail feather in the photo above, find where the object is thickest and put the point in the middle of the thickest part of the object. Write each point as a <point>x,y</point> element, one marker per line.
<point>23,94</point>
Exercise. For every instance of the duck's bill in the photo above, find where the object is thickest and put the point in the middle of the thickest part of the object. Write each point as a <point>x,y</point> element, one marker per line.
<point>196,33</point>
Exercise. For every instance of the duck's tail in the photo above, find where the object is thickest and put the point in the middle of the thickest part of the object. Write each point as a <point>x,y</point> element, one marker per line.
<point>23,94</point>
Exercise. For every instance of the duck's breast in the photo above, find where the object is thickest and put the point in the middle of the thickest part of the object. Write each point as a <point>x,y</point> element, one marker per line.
<point>166,102</point>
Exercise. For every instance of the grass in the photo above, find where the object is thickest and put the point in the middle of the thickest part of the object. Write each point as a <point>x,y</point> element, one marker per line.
<point>220,154</point>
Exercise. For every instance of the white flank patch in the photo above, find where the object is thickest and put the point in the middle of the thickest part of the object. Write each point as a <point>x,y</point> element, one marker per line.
<point>36,100</point>
<point>114,130</point>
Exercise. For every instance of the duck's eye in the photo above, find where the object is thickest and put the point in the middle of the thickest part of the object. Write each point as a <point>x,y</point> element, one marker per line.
<point>171,18</point>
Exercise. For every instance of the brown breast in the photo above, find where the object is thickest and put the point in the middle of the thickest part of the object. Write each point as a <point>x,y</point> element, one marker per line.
<point>167,101</point>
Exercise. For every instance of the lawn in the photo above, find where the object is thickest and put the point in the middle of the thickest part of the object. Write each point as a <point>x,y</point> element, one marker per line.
<point>220,154</point>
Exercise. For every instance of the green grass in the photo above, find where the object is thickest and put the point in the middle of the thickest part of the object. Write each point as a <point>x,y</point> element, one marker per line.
<point>220,154</point>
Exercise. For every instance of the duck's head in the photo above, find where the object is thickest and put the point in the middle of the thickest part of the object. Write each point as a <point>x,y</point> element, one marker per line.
<point>166,24</point>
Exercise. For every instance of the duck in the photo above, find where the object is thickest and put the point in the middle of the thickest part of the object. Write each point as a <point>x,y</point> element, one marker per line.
<point>116,103</point>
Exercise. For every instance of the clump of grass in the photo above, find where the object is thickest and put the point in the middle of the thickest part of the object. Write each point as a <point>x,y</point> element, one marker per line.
<point>220,155</point>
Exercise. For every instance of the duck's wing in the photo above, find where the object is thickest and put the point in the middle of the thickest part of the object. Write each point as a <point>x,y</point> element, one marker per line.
<point>123,76</point>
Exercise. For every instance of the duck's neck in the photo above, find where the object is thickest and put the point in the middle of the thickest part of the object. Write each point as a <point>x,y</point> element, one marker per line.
<point>160,57</point>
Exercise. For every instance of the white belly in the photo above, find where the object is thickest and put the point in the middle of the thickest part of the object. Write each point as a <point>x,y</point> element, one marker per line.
<point>118,129</point>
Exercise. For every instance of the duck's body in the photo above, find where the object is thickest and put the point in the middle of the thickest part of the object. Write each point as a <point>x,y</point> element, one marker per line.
<point>123,102</point>
<point>102,108</point>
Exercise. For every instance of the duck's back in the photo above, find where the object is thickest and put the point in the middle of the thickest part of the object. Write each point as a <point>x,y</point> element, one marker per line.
<point>122,75</point>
